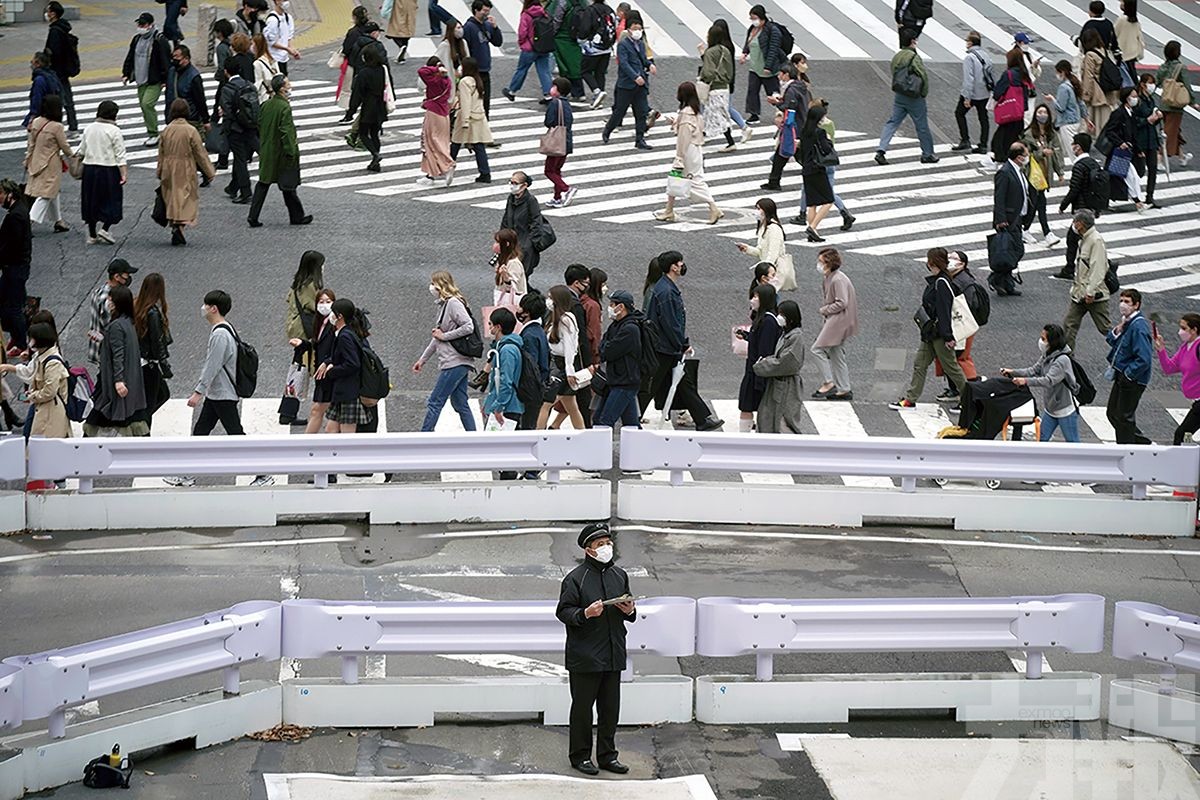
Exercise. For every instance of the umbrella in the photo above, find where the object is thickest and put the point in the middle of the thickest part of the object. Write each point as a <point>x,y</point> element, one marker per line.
<point>676,377</point>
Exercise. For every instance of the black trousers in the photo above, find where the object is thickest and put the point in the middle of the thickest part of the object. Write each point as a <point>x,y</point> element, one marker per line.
<point>754,82</point>
<point>242,146</point>
<point>369,134</point>
<point>778,162</point>
<point>1037,208</point>
<point>290,199</point>
<point>1190,424</point>
<point>960,116</point>
<point>1072,250</point>
<point>1123,401</point>
<point>686,396</point>
<point>68,101</point>
<point>601,690</point>
<point>12,302</point>
<point>594,71</point>
<point>639,98</point>
<point>223,411</point>
<point>1147,167</point>
<point>485,82</point>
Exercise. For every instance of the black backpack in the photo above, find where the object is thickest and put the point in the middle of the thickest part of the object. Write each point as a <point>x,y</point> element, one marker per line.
<point>1110,74</point>
<point>989,80</point>
<point>1099,189</point>
<point>543,34</point>
<point>71,57</point>
<point>921,9</point>
<point>99,774</point>
<point>648,362</point>
<point>245,378</point>
<point>978,301</point>
<point>1111,281</point>
<point>245,107</point>
<point>604,26</point>
<point>906,80</point>
<point>786,40</point>
<point>374,383</point>
<point>529,382</point>
<point>470,345</point>
<point>1086,390</point>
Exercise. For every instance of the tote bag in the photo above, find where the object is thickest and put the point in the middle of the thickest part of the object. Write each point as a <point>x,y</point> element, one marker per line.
<point>554,141</point>
<point>1011,107</point>
<point>1174,93</point>
<point>785,273</point>
<point>962,322</point>
<point>1118,162</point>
<point>678,185</point>
<point>1037,176</point>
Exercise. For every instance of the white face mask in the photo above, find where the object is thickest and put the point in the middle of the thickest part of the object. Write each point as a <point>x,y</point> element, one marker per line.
<point>1042,345</point>
<point>755,22</point>
<point>1133,101</point>
<point>46,16</point>
<point>754,303</point>
<point>612,312</point>
<point>776,281</point>
<point>1043,118</point>
<point>820,269</point>
<point>636,34</point>
<point>324,309</point>
<point>762,215</point>
<point>458,33</point>
<point>604,553</point>
<point>433,290</point>
<point>516,188</point>
<point>1126,309</point>
<point>1185,335</point>
<point>204,311</point>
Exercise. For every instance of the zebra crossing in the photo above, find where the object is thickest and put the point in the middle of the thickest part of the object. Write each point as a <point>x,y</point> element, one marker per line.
<point>827,419</point>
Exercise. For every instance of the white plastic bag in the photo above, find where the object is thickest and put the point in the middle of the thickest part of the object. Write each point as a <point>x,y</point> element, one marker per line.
<point>493,425</point>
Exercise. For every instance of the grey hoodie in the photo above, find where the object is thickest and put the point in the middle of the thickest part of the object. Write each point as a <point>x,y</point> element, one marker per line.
<point>1052,383</point>
<point>973,86</point>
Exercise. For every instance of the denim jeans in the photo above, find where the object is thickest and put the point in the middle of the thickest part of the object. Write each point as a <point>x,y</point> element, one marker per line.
<point>540,62</point>
<point>481,157</point>
<point>438,16</point>
<point>620,404</point>
<point>735,115</point>
<point>1068,424</point>
<point>903,106</point>
<point>451,385</point>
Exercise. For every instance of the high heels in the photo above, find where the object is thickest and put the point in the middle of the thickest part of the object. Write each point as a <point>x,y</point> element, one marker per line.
<point>812,236</point>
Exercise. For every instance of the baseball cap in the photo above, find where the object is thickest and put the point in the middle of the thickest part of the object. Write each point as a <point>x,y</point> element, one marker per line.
<point>1021,37</point>
<point>623,297</point>
<point>120,265</point>
<point>145,18</point>
<point>593,530</point>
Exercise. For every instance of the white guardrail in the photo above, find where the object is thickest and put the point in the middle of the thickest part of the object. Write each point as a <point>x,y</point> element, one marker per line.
<point>731,626</point>
<point>666,626</point>
<point>12,459</point>
<point>320,455</point>
<point>1170,640</point>
<point>11,699</point>
<point>59,679</point>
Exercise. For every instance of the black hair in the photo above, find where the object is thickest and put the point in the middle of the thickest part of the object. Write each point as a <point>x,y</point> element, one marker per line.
<point>632,18</point>
<point>576,272</point>
<point>1133,294</point>
<point>55,7</point>
<point>533,303</point>
<point>761,270</point>
<point>185,51</point>
<point>1129,9</point>
<point>107,110</point>
<point>122,301</point>
<point>220,299</point>
<point>1096,8</point>
<point>360,15</point>
<point>726,39</point>
<point>43,58</point>
<point>758,10</point>
<point>504,318</point>
<point>653,273</point>
<point>345,309</point>
<point>907,37</point>
<point>1056,338</point>
<point>768,300</point>
<point>790,313</point>
<point>310,270</point>
<point>1125,93</point>
<point>43,335</point>
<point>1171,50</point>
<point>665,260</point>
<point>371,57</point>
<point>770,212</point>
<point>687,97</point>
<point>1084,140</point>
<point>52,108</point>
<point>223,27</point>
<point>564,86</point>
<point>480,5</point>
<point>596,281</point>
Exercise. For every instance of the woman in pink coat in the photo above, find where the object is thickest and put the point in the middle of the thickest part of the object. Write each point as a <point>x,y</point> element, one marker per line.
<point>436,162</point>
<point>840,312</point>
<point>1186,362</point>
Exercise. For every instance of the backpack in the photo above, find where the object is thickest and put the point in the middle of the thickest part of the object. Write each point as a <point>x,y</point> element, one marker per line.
<point>921,9</point>
<point>529,384</point>
<point>79,390</point>
<point>989,80</point>
<point>1085,391</point>
<point>470,345</point>
<point>786,40</point>
<point>1110,74</point>
<point>71,67</point>
<point>906,80</point>
<point>245,107</point>
<point>1111,281</point>
<point>648,362</point>
<point>374,383</point>
<point>245,377</point>
<point>543,34</point>
<point>100,774</point>
<point>1098,189</point>
<point>978,301</point>
<point>604,30</point>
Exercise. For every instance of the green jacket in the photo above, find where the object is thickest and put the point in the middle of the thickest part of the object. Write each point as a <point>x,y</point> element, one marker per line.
<point>1168,70</point>
<point>277,148</point>
<point>902,58</point>
<point>716,67</point>
<point>1053,166</point>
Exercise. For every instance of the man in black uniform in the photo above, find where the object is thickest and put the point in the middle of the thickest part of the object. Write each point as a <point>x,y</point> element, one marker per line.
<point>595,652</point>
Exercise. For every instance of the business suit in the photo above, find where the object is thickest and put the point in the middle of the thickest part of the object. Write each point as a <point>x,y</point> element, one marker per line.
<point>1009,205</point>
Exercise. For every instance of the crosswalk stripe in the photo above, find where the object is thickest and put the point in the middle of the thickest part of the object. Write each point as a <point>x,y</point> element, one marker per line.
<point>839,420</point>
<point>659,40</point>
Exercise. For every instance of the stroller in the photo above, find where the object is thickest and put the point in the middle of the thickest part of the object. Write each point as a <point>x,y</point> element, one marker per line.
<point>992,407</point>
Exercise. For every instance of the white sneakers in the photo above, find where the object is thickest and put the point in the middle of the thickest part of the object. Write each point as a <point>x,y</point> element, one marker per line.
<point>1051,240</point>
<point>747,134</point>
<point>1028,237</point>
<point>598,98</point>
<point>425,180</point>
<point>569,196</point>
<point>151,142</point>
<point>102,237</point>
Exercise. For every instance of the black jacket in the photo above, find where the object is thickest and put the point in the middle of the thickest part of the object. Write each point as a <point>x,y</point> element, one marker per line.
<point>356,52</point>
<point>369,83</point>
<point>160,60</point>
<point>621,352</point>
<point>522,214</point>
<point>59,46</point>
<point>154,345</point>
<point>1009,197</point>
<point>16,238</point>
<point>345,366</point>
<point>1077,193</point>
<point>189,85</point>
<point>1120,129</point>
<point>938,302</point>
<point>585,341</point>
<point>770,41</point>
<point>596,644</point>
<point>351,39</point>
<point>1108,34</point>
<point>229,93</point>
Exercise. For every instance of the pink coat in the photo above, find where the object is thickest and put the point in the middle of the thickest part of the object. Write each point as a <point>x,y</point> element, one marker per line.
<point>437,91</point>
<point>840,310</point>
<point>1186,362</point>
<point>525,29</point>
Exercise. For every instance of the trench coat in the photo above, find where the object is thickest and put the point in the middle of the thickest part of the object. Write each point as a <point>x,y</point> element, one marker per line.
<point>839,309</point>
<point>47,146</point>
<point>471,125</point>
<point>782,402</point>
<point>48,395</point>
<point>278,150</point>
<point>402,22</point>
<point>180,153</point>
<point>120,360</point>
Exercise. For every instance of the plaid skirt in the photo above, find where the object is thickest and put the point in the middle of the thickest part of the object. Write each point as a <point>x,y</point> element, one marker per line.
<point>352,413</point>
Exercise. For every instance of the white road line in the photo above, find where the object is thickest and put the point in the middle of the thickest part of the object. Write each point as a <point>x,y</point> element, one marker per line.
<point>1097,418</point>
<point>659,40</point>
<point>836,419</point>
<point>728,410</point>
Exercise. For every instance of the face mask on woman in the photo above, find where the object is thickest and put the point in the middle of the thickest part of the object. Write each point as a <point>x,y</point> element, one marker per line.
<point>1043,345</point>
<point>1186,335</point>
<point>1133,101</point>
<point>754,303</point>
<point>324,309</point>
<point>1043,118</point>
<point>636,34</point>
<point>433,290</point>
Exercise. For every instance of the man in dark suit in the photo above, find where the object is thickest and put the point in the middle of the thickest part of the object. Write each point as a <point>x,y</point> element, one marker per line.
<point>1010,202</point>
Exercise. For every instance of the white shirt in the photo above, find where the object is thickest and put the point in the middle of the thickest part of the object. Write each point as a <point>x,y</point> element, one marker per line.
<point>280,29</point>
<point>102,145</point>
<point>567,346</point>
<point>1024,186</point>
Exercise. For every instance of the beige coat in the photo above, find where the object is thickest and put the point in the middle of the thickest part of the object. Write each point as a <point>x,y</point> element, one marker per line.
<point>180,154</point>
<point>689,130</point>
<point>48,395</point>
<point>403,21</point>
<point>43,157</point>
<point>471,125</point>
<point>840,310</point>
<point>1093,95</point>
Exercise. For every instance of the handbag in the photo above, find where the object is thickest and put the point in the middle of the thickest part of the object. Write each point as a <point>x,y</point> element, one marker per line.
<point>1174,93</point>
<point>925,324</point>
<point>389,94</point>
<point>75,167</point>
<point>1037,176</point>
<point>906,81</point>
<point>335,60</point>
<point>555,381</point>
<point>1005,249</point>
<point>702,90</point>
<point>1119,162</point>
<point>554,141</point>
<point>308,319</point>
<point>785,273</point>
<point>962,322</point>
<point>1011,107</point>
<point>214,140</point>
<point>159,213</point>
<point>740,346</point>
<point>677,184</point>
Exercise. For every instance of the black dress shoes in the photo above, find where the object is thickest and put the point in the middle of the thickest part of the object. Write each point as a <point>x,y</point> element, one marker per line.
<point>615,766</point>
<point>586,767</point>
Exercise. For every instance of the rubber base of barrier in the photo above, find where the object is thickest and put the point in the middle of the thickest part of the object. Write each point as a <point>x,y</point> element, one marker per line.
<point>507,501</point>
<point>847,507</point>
<point>209,718</point>
<point>12,512</point>
<point>413,702</point>
<point>1138,706</point>
<point>975,697</point>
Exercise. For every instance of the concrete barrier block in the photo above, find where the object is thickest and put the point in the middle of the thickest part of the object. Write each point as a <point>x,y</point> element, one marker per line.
<point>1140,706</point>
<point>12,776</point>
<point>12,512</point>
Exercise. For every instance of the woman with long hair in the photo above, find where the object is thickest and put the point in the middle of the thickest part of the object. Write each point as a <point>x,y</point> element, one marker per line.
<point>937,335</point>
<point>1119,136</point>
<point>653,273</point>
<point>1147,123</point>
<point>726,40</point>
<point>265,68</point>
<point>119,402</point>
<point>369,85</point>
<point>1045,150</point>
<point>1186,363</point>
<point>1173,69</point>
<point>436,162</point>
<point>769,232</point>
<point>153,327</point>
<point>451,51</point>
<point>301,319</point>
<point>760,341</point>
<point>1099,103</point>
<point>471,126</point>
<point>1052,382</point>
<point>1015,74</point>
<point>689,155</point>
<point>46,149</point>
<point>813,148</point>
<point>1067,105</point>
<point>319,350</point>
<point>453,322</point>
<point>764,272</point>
<point>563,334</point>
<point>716,70</point>
<point>346,412</point>
<point>511,285</point>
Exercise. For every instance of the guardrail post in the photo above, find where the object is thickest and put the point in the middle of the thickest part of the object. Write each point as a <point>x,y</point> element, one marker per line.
<point>232,679</point>
<point>764,666</point>
<point>1139,491</point>
<point>85,485</point>
<point>350,669</point>
<point>1166,681</point>
<point>677,477</point>
<point>57,724</point>
<point>321,480</point>
<point>1033,664</point>
<point>627,673</point>
<point>552,476</point>
<point>908,485</point>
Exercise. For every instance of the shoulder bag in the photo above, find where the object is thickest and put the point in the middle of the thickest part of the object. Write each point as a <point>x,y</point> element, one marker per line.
<point>307,318</point>
<point>962,322</point>
<point>554,141</point>
<point>1174,93</point>
<point>1011,107</point>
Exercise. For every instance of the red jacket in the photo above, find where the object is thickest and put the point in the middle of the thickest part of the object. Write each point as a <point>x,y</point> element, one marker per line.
<point>437,90</point>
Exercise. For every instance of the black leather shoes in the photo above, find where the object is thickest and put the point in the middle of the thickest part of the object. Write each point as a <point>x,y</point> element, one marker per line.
<point>586,767</point>
<point>615,766</point>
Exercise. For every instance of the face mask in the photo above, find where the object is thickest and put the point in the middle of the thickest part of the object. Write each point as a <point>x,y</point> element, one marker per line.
<point>612,312</point>
<point>603,291</point>
<point>1042,345</point>
<point>636,34</point>
<point>776,281</point>
<point>496,248</point>
<point>204,311</point>
<point>46,17</point>
<point>176,63</point>
<point>1043,118</point>
<point>458,33</point>
<point>1185,335</point>
<point>756,23</point>
<point>820,269</point>
<point>1133,101</point>
<point>1150,87</point>
<point>433,290</point>
<point>683,270</point>
<point>324,309</point>
<point>1126,309</point>
<point>142,30</point>
<point>604,553</point>
<point>515,188</point>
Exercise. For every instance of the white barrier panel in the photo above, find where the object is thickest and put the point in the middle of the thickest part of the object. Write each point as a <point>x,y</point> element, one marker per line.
<point>1171,640</point>
<point>665,626</point>
<point>12,468</point>
<point>733,627</point>
<point>908,460</point>
<point>320,455</point>
<point>59,679</point>
<point>11,697</point>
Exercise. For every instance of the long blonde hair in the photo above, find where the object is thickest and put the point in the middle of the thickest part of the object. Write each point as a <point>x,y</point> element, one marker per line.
<point>446,287</point>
